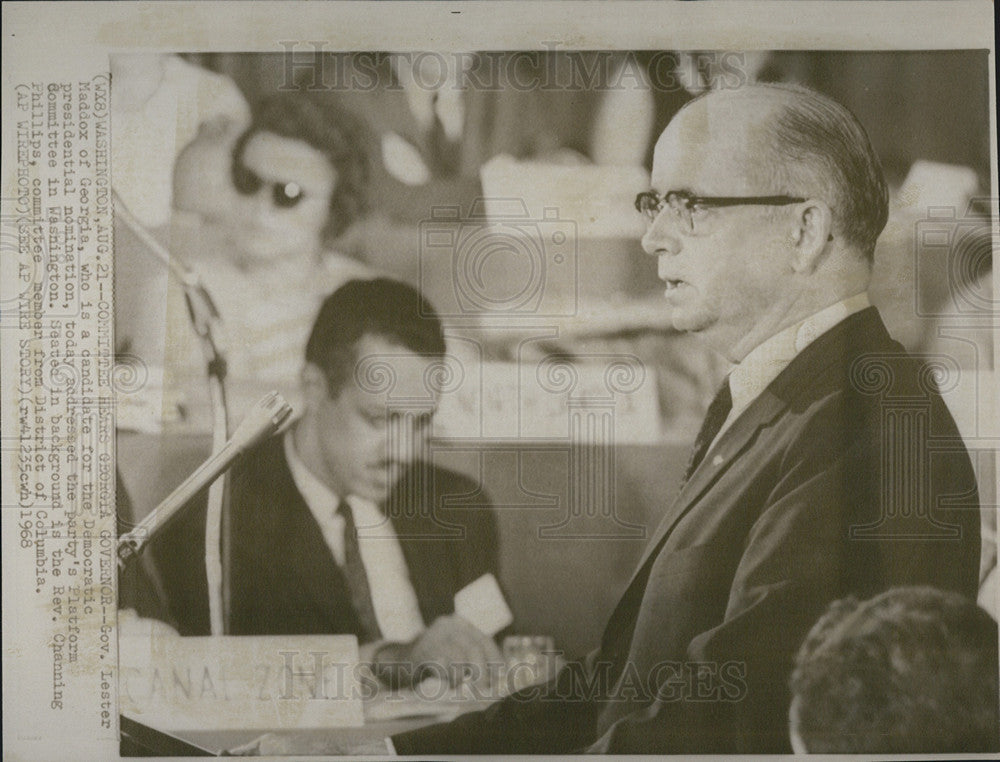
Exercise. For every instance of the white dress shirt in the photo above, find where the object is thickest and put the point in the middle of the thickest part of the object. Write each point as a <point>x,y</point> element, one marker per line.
<point>393,597</point>
<point>763,364</point>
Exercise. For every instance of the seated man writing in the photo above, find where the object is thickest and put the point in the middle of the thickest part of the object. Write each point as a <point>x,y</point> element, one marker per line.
<point>339,524</point>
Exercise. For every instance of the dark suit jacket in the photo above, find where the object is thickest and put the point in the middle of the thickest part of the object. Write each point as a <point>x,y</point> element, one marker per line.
<point>284,579</point>
<point>845,476</point>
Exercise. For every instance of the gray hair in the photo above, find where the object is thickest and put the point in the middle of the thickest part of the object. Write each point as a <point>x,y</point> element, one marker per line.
<point>814,146</point>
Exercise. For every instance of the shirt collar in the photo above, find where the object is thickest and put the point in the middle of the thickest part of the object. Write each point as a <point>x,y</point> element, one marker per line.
<point>763,364</point>
<point>322,501</point>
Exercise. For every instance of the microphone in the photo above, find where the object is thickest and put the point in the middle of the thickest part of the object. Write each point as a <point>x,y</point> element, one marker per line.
<point>262,421</point>
<point>201,309</point>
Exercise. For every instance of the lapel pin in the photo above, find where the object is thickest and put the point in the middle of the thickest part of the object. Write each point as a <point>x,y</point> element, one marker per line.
<point>717,460</point>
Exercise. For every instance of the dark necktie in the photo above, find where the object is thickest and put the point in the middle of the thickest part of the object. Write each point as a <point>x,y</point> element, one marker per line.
<point>717,413</point>
<point>357,579</point>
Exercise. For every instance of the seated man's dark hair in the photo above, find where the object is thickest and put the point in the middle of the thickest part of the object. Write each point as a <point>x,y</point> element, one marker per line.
<point>913,670</point>
<point>383,307</point>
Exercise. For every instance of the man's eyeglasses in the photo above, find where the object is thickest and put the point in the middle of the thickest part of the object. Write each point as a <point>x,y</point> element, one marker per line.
<point>249,183</point>
<point>686,206</point>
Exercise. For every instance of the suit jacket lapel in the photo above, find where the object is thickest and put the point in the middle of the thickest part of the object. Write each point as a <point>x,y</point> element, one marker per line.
<point>304,550</point>
<point>412,514</point>
<point>827,350</point>
<point>314,567</point>
<point>733,442</point>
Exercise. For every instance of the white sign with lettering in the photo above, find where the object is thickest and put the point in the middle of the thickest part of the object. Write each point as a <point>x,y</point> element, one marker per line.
<point>242,683</point>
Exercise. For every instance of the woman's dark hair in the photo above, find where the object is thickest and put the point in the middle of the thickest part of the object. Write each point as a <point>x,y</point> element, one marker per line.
<point>335,132</point>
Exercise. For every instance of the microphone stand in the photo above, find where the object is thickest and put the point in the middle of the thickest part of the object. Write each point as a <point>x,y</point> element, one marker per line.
<point>206,322</point>
<point>262,421</point>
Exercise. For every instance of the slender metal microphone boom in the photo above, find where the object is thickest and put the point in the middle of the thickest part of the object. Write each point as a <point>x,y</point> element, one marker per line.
<point>261,421</point>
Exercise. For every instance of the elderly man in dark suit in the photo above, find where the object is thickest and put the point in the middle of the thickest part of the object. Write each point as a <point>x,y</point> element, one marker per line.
<point>340,525</point>
<point>828,464</point>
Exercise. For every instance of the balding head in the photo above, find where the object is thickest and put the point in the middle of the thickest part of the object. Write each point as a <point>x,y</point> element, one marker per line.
<point>791,140</point>
<point>777,201</point>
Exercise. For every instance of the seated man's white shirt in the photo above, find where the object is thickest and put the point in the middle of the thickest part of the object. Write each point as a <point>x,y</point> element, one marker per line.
<point>763,363</point>
<point>393,598</point>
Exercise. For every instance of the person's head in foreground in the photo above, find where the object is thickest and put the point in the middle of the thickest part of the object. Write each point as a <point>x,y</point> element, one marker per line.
<point>913,670</point>
<point>368,386</point>
<point>765,207</point>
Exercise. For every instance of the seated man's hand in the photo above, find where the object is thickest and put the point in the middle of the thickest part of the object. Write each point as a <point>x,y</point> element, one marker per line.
<point>451,649</point>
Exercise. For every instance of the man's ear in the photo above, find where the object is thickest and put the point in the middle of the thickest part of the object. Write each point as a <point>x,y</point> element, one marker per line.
<point>812,231</point>
<point>312,381</point>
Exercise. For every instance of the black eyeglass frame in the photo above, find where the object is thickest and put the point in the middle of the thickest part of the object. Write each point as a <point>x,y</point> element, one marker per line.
<point>689,201</point>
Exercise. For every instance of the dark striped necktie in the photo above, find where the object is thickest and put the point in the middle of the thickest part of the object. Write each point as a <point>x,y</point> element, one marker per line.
<point>717,413</point>
<point>357,578</point>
